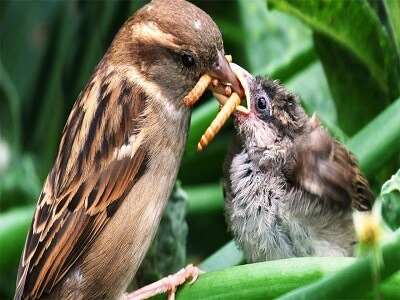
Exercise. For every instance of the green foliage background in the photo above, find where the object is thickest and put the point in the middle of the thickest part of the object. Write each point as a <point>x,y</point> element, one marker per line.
<point>341,57</point>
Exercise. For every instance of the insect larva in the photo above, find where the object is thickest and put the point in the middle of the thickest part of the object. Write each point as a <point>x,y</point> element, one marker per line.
<point>198,90</point>
<point>227,109</point>
<point>194,95</point>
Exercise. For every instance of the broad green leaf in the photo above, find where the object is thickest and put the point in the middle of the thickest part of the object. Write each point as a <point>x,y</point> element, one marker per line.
<point>227,256</point>
<point>355,26</point>
<point>270,37</point>
<point>312,88</point>
<point>391,201</point>
<point>20,184</point>
<point>377,142</point>
<point>13,228</point>
<point>268,280</point>
<point>287,68</point>
<point>355,92</point>
<point>392,8</point>
<point>354,281</point>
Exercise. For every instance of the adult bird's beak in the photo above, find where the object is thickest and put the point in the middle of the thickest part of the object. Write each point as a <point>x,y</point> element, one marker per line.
<point>245,78</point>
<point>222,71</point>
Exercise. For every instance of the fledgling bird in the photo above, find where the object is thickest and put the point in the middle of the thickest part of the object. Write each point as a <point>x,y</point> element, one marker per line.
<point>119,155</point>
<point>290,188</point>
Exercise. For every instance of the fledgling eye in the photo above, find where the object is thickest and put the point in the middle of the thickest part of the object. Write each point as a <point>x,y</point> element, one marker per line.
<point>261,103</point>
<point>263,107</point>
<point>187,60</point>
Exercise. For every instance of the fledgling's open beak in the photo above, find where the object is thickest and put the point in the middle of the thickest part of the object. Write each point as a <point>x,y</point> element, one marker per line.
<point>245,78</point>
<point>221,70</point>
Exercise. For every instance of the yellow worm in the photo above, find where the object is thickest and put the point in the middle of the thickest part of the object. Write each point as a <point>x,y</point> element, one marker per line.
<point>194,95</point>
<point>198,90</point>
<point>215,126</point>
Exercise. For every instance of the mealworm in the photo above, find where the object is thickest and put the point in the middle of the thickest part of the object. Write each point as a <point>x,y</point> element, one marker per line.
<point>194,95</point>
<point>227,109</point>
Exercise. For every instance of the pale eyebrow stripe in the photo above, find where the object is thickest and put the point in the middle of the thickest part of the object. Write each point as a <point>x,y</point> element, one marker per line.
<point>149,31</point>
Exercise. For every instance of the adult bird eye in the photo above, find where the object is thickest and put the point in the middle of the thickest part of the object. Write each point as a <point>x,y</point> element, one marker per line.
<point>187,60</point>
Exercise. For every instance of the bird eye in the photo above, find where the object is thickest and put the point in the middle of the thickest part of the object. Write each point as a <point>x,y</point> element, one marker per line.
<point>261,103</point>
<point>187,60</point>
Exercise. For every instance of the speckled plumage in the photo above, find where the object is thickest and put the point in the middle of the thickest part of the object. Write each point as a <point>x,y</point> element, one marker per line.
<point>289,187</point>
<point>118,157</point>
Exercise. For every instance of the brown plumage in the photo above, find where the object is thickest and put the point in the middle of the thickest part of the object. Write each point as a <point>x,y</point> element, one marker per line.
<point>324,167</point>
<point>290,187</point>
<point>119,155</point>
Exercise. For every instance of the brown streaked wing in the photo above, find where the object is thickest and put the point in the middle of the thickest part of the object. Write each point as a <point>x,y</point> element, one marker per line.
<point>362,196</point>
<point>324,167</point>
<point>86,184</point>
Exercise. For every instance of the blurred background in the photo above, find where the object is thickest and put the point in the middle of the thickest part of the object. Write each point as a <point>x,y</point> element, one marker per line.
<point>342,58</point>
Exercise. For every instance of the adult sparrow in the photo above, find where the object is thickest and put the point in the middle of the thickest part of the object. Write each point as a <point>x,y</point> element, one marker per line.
<point>290,187</point>
<point>119,155</point>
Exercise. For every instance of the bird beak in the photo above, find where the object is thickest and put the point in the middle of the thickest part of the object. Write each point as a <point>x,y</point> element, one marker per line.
<point>244,78</point>
<point>222,71</point>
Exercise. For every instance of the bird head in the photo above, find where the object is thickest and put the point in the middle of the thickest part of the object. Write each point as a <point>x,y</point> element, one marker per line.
<point>274,118</point>
<point>169,45</point>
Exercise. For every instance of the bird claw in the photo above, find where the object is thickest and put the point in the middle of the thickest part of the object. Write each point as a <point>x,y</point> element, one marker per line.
<point>167,284</point>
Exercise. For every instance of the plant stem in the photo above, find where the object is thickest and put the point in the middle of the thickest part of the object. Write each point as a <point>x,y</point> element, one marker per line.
<point>203,199</point>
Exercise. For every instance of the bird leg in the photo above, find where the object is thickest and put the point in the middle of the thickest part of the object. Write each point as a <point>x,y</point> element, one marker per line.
<point>167,284</point>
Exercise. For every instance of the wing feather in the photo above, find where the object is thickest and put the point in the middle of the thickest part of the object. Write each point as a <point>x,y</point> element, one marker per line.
<point>87,183</point>
<point>324,167</point>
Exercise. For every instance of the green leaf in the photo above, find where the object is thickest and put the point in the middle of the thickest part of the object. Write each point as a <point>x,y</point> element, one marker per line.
<point>20,184</point>
<point>287,68</point>
<point>391,201</point>
<point>268,280</point>
<point>266,37</point>
<point>357,279</point>
<point>392,8</point>
<point>312,88</point>
<point>227,256</point>
<point>377,142</point>
<point>13,228</point>
<point>355,26</point>
<point>356,93</point>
